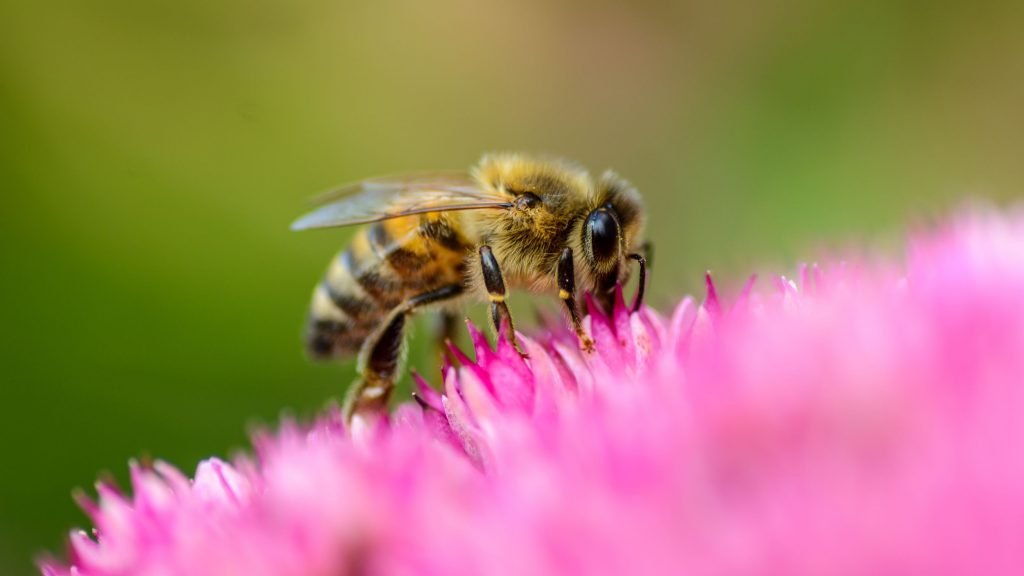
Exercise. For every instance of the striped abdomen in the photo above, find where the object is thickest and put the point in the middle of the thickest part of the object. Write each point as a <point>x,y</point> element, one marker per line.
<point>386,263</point>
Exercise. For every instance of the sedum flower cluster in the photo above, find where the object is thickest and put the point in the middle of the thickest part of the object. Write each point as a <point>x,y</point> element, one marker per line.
<point>861,418</point>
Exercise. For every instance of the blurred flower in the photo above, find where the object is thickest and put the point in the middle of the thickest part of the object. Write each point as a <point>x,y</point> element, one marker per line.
<point>860,419</point>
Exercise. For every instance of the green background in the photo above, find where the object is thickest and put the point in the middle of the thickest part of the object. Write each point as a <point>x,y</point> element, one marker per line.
<point>152,155</point>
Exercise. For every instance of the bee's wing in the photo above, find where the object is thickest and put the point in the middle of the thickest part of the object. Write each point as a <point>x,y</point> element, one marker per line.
<point>395,197</point>
<point>414,180</point>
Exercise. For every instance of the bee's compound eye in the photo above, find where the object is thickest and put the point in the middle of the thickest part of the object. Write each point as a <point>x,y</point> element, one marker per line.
<point>603,230</point>
<point>526,200</point>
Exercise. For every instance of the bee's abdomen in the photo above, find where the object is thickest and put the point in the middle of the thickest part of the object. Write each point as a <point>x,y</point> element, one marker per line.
<point>338,321</point>
<point>386,263</point>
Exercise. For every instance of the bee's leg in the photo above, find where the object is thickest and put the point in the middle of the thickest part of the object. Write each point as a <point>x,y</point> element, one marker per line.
<point>605,291</point>
<point>641,281</point>
<point>495,285</point>
<point>567,292</point>
<point>381,354</point>
<point>445,330</point>
<point>647,250</point>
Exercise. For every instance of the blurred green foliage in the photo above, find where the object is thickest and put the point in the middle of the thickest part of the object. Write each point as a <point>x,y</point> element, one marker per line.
<point>153,153</point>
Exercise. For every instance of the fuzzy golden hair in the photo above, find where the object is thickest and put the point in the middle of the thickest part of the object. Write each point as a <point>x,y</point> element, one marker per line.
<point>528,238</point>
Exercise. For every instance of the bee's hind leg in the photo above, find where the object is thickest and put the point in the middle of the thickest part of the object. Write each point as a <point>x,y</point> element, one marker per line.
<point>381,355</point>
<point>495,285</point>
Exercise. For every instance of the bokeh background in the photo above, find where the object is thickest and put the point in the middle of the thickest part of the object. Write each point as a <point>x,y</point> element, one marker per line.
<point>152,155</point>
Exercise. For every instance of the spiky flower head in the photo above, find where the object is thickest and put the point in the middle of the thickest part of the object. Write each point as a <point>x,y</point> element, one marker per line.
<point>860,419</point>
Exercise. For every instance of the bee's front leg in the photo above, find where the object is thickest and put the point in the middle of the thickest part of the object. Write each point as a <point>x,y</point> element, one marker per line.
<point>641,285</point>
<point>647,251</point>
<point>495,285</point>
<point>567,293</point>
<point>381,353</point>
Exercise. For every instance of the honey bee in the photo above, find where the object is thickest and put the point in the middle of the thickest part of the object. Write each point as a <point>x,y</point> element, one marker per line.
<point>434,239</point>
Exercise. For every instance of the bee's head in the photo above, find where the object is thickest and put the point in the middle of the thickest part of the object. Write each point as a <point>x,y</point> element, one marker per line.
<point>610,231</point>
<point>554,204</point>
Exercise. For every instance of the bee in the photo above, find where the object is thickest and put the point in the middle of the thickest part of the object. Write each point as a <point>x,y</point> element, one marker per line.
<point>435,239</point>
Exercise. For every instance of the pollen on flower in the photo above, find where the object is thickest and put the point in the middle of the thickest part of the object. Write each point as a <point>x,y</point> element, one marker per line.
<point>856,419</point>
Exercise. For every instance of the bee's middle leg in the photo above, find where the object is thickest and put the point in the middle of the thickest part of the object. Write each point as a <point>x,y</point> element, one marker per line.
<point>380,355</point>
<point>495,284</point>
<point>446,329</point>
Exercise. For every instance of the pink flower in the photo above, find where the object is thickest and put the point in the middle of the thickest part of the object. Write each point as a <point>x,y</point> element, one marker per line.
<point>860,419</point>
